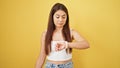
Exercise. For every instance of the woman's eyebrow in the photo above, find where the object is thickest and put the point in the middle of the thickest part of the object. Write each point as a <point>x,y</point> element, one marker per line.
<point>64,15</point>
<point>60,15</point>
<point>57,15</point>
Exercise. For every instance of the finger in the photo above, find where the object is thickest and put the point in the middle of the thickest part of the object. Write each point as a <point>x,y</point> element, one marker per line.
<point>60,46</point>
<point>56,48</point>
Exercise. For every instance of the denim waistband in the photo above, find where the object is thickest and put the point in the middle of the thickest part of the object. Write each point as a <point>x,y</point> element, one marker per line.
<point>66,65</point>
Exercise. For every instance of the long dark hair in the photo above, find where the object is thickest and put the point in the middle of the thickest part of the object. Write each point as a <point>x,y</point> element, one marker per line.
<point>51,27</point>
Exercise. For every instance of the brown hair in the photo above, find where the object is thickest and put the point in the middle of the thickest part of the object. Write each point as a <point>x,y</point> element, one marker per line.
<point>51,27</point>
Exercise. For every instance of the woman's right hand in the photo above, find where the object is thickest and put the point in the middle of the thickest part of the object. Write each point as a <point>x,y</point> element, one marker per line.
<point>60,46</point>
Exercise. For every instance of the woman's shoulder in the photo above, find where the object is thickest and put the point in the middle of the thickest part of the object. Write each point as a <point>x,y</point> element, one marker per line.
<point>44,32</point>
<point>73,31</point>
<point>43,35</point>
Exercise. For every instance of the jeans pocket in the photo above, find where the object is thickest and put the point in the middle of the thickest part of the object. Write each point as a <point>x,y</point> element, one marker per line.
<point>47,65</point>
<point>69,65</point>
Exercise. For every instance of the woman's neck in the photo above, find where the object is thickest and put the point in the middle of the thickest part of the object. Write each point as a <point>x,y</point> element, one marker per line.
<point>58,29</point>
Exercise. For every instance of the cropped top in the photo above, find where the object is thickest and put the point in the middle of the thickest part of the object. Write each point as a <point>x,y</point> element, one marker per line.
<point>61,55</point>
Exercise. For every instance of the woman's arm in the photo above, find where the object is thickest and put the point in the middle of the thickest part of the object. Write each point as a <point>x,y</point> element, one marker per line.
<point>42,56</point>
<point>80,42</point>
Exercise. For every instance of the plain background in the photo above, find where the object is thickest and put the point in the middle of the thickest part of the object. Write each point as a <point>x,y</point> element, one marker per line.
<point>23,21</point>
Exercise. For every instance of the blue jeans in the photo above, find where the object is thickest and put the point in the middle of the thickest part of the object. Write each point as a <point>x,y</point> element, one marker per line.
<point>66,65</point>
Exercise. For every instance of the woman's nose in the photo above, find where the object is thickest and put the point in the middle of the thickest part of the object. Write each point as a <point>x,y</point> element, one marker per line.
<point>60,19</point>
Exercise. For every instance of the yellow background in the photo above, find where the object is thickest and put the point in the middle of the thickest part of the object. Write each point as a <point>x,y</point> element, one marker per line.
<point>23,21</point>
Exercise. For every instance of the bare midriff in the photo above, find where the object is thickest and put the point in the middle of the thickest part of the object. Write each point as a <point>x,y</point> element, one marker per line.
<point>59,62</point>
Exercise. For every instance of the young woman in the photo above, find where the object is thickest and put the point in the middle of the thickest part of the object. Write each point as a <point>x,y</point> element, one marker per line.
<point>57,42</point>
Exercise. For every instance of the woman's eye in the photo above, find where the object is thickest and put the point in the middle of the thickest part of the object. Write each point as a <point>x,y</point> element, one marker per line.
<point>57,17</point>
<point>63,17</point>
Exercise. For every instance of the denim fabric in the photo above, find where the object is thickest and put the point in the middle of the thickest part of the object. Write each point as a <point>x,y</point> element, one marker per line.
<point>66,65</point>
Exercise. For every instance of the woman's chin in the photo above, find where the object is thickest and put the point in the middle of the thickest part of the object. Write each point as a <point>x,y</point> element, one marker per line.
<point>59,26</point>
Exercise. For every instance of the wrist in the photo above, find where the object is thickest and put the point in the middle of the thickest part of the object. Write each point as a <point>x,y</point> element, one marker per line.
<point>67,45</point>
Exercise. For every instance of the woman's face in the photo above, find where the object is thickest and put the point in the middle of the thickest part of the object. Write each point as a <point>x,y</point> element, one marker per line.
<point>59,18</point>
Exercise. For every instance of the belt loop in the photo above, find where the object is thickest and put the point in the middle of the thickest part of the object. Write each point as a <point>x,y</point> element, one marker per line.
<point>56,66</point>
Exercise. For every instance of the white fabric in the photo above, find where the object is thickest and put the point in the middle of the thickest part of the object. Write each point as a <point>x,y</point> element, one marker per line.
<point>58,55</point>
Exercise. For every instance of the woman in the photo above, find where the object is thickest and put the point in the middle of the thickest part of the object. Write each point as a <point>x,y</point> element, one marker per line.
<point>57,42</point>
